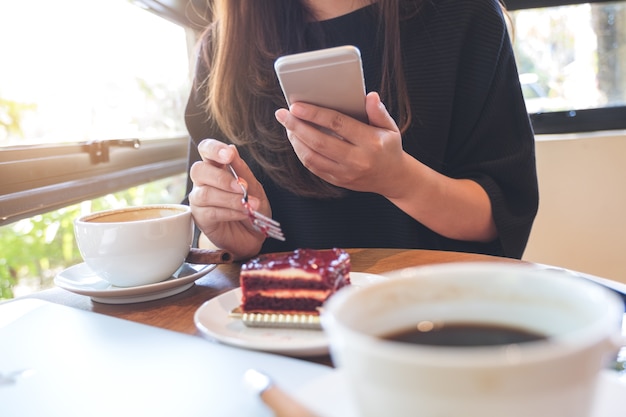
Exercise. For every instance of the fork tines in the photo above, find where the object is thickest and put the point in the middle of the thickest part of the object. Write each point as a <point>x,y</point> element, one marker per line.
<point>266,225</point>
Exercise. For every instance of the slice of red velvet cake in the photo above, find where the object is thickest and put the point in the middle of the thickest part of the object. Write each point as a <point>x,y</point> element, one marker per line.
<point>293,283</point>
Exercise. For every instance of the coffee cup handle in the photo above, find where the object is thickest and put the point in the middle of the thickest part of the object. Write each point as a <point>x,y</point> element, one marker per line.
<point>209,256</point>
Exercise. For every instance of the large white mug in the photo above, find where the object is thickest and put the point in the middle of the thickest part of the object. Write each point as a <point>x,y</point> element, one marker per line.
<point>135,246</point>
<point>578,324</point>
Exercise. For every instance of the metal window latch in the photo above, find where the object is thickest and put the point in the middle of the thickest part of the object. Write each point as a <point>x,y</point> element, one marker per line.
<point>98,150</point>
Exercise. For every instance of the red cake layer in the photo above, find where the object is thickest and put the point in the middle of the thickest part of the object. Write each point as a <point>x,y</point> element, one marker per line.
<point>296,282</point>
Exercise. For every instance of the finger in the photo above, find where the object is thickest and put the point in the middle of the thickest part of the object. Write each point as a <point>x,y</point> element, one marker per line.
<point>216,151</point>
<point>214,185</point>
<point>211,215</point>
<point>198,172</point>
<point>246,178</point>
<point>216,205</point>
<point>377,113</point>
<point>206,174</point>
<point>308,140</point>
<point>337,123</point>
<point>242,170</point>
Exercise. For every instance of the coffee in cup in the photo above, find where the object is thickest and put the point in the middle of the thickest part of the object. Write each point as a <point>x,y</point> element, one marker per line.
<point>475,340</point>
<point>135,246</point>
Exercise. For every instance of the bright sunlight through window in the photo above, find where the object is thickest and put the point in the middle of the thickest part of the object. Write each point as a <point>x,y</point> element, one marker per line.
<point>88,70</point>
<point>81,71</point>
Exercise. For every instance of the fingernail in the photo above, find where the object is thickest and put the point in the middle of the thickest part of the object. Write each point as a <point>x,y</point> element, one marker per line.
<point>297,110</point>
<point>281,115</point>
<point>254,203</point>
<point>381,105</point>
<point>223,154</point>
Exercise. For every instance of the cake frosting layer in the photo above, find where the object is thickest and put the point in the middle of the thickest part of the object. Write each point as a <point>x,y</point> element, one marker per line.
<point>295,282</point>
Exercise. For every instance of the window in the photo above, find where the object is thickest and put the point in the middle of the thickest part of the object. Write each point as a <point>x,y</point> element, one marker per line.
<point>571,58</point>
<point>92,96</point>
<point>92,101</point>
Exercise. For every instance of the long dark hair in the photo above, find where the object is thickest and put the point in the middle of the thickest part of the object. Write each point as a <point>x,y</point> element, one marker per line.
<point>242,92</point>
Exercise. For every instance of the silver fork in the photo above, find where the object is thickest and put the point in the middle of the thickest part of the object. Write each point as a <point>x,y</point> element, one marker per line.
<point>266,225</point>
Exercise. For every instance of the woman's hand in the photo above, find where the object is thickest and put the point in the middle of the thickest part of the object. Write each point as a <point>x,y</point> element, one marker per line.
<point>348,153</point>
<point>370,158</point>
<point>216,203</point>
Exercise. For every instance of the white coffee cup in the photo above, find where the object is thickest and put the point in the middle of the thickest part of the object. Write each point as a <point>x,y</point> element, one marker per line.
<point>135,246</point>
<point>552,377</point>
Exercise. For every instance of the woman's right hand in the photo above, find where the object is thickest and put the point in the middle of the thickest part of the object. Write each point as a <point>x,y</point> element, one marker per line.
<point>216,203</point>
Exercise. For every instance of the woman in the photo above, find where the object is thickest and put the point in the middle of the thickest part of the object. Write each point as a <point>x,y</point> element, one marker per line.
<point>447,162</point>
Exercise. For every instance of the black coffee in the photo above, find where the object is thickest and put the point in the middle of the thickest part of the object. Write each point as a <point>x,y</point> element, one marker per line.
<point>463,334</point>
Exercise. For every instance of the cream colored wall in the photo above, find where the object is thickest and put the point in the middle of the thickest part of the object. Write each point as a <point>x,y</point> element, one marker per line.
<point>581,224</point>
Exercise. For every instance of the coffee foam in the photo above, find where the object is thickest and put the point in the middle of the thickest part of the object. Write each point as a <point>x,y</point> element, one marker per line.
<point>133,214</point>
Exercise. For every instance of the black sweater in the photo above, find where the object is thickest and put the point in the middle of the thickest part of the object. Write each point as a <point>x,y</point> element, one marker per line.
<point>469,121</point>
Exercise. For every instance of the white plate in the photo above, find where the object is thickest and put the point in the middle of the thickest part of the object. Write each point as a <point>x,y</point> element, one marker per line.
<point>329,396</point>
<point>80,279</point>
<point>214,322</point>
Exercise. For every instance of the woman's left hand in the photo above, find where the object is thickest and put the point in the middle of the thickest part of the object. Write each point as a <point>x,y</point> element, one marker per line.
<point>348,153</point>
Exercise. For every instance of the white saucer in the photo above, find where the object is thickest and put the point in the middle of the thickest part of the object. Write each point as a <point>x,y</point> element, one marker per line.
<point>82,280</point>
<point>213,321</point>
<point>329,396</point>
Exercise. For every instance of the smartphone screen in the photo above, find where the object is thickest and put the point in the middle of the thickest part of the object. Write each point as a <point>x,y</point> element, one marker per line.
<point>331,78</point>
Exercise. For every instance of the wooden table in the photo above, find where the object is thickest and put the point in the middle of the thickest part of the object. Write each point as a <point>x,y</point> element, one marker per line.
<point>176,312</point>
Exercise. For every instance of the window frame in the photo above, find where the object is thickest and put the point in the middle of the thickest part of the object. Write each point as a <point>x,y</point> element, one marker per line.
<point>40,178</point>
<point>536,4</point>
<point>579,120</point>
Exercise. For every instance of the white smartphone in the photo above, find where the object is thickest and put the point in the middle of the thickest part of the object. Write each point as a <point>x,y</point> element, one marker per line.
<point>331,78</point>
